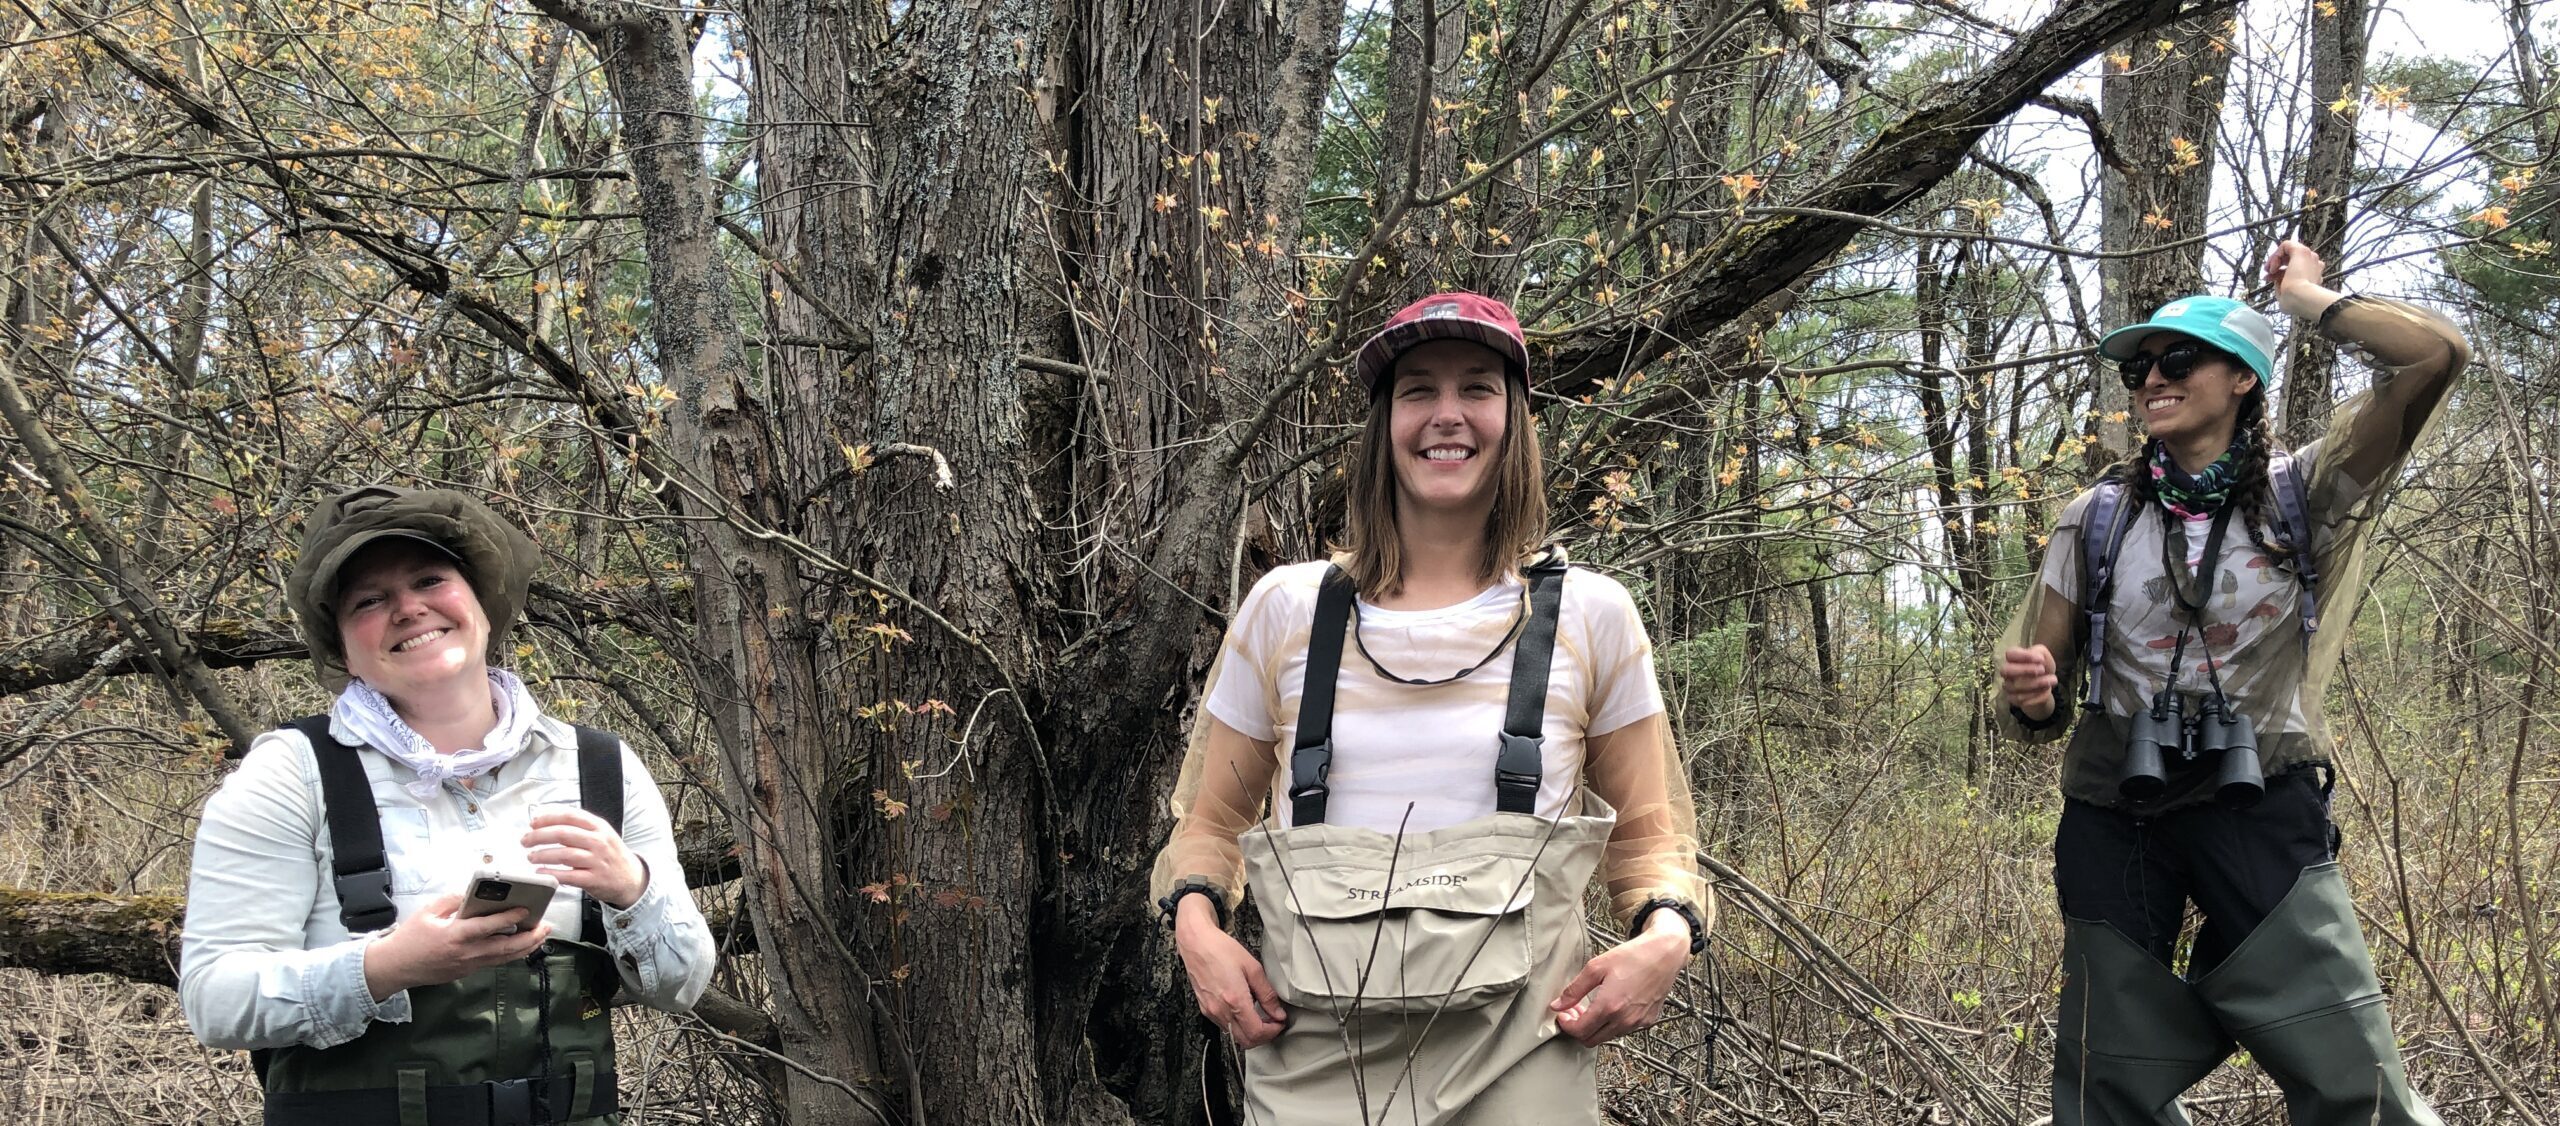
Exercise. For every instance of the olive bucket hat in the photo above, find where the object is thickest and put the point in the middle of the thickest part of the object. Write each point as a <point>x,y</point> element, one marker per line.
<point>496,556</point>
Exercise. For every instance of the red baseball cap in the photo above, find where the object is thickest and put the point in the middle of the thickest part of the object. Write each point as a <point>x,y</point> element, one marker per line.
<point>1459,316</point>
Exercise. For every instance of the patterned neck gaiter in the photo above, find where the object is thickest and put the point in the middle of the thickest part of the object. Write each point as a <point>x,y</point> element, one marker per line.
<point>2202,494</point>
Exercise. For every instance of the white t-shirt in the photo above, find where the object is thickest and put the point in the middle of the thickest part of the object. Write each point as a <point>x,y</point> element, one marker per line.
<point>1432,748</point>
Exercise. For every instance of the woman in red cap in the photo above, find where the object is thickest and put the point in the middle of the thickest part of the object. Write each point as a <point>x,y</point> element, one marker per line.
<point>1452,728</point>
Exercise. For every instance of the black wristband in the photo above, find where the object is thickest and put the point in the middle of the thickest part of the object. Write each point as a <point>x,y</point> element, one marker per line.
<point>1680,907</point>
<point>2321,325</point>
<point>1173,899</point>
<point>2033,724</point>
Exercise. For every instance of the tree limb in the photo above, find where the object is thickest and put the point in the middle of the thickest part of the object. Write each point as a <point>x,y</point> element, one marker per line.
<point>131,602</point>
<point>68,657</point>
<point>135,937</point>
<point>1928,144</point>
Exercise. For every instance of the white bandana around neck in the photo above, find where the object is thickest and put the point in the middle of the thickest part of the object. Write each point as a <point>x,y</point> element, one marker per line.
<point>362,711</point>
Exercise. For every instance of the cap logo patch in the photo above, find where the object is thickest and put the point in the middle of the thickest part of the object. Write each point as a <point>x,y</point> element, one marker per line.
<point>1440,309</point>
<point>2172,309</point>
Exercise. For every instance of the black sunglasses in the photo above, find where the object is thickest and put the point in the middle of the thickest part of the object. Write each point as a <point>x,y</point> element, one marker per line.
<point>2176,362</point>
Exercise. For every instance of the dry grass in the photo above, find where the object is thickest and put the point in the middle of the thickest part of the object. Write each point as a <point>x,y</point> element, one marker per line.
<point>1902,962</point>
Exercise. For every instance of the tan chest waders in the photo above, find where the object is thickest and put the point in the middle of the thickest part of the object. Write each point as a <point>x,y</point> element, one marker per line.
<point>1418,969</point>
<point>517,1045</point>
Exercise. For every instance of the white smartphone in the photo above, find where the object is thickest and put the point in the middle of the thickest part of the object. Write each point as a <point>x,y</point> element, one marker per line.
<point>493,891</point>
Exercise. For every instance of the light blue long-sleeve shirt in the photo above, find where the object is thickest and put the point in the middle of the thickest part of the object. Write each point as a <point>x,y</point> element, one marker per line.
<point>264,961</point>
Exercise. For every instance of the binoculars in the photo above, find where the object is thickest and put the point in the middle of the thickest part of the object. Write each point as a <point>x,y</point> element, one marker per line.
<point>2217,731</point>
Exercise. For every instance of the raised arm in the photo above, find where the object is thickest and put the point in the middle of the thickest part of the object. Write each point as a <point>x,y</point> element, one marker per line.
<point>2418,351</point>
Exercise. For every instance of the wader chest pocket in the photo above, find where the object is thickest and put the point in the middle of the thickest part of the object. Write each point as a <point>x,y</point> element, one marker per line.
<point>1448,926</point>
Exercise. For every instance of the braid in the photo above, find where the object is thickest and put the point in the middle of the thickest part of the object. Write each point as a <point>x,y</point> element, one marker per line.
<point>2250,490</point>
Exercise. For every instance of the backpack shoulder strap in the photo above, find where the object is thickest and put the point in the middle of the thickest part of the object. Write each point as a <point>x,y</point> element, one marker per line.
<point>2110,518</point>
<point>2289,472</point>
<point>1521,765</point>
<point>599,793</point>
<point>600,774</point>
<point>1311,757</point>
<point>362,872</point>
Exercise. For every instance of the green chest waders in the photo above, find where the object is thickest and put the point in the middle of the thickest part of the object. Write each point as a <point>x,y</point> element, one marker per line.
<point>523,1044</point>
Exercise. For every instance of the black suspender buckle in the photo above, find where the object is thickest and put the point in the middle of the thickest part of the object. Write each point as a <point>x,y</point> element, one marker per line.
<point>513,1102</point>
<point>364,901</point>
<point>2095,658</point>
<point>1517,772</point>
<point>1309,767</point>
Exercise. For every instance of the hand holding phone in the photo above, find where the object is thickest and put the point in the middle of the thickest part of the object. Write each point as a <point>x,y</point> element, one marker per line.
<point>492,892</point>
<point>436,944</point>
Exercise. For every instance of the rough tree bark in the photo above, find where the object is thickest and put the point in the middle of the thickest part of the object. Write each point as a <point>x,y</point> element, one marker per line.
<point>1182,341</point>
<point>758,681</point>
<point>2162,106</point>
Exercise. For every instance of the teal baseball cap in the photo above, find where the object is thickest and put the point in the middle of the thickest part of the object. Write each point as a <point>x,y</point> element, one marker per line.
<point>2218,321</point>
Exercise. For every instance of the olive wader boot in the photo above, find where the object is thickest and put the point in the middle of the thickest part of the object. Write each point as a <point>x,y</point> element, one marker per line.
<point>2300,994</point>
<point>2133,1036</point>
<point>473,1053</point>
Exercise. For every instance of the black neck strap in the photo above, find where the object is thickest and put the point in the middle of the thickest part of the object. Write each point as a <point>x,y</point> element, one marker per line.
<point>1520,763</point>
<point>2208,566</point>
<point>1519,621</point>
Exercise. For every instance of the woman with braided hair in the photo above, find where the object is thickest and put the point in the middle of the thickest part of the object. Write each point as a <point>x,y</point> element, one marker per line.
<point>2197,770</point>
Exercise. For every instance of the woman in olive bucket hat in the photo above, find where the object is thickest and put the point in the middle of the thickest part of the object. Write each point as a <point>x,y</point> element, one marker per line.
<point>325,929</point>
<point>2192,607</point>
<point>1452,729</point>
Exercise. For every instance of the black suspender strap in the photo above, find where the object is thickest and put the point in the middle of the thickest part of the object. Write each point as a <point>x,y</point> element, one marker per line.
<point>1522,762</point>
<point>355,830</point>
<point>1311,759</point>
<point>599,793</point>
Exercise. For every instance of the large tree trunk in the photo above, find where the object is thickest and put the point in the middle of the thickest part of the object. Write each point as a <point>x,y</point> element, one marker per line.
<point>1182,341</point>
<point>2162,106</point>
<point>756,676</point>
<point>897,186</point>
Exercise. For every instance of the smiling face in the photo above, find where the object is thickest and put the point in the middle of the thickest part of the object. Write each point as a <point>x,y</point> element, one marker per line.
<point>2206,401</point>
<point>1448,408</point>
<point>409,620</point>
